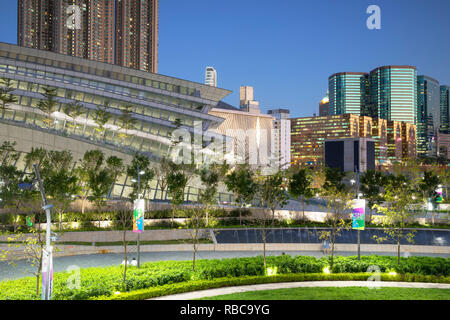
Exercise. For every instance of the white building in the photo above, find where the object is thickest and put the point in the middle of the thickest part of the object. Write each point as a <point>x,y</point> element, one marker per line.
<point>247,103</point>
<point>281,136</point>
<point>211,77</point>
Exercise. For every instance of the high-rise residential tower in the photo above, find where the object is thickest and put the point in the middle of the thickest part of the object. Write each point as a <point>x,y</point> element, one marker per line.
<point>137,34</point>
<point>428,115</point>
<point>211,77</point>
<point>347,92</point>
<point>123,32</point>
<point>80,28</point>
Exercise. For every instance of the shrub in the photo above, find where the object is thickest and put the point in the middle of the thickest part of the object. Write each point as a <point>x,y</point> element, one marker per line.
<point>154,277</point>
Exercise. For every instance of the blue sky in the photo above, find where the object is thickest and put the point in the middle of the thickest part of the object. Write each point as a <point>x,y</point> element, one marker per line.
<point>287,49</point>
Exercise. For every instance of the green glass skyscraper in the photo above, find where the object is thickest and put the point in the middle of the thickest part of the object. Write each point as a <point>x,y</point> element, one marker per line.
<point>393,93</point>
<point>445,109</point>
<point>347,92</point>
<point>428,115</point>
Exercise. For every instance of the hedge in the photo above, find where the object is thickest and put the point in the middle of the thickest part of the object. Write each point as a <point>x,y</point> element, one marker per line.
<point>104,281</point>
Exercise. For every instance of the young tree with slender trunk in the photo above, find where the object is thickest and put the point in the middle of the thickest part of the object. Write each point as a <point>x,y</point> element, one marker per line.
<point>90,164</point>
<point>48,105</point>
<point>273,194</point>
<point>102,116</point>
<point>300,187</point>
<point>6,98</point>
<point>242,182</point>
<point>339,202</point>
<point>371,186</point>
<point>162,169</point>
<point>74,110</point>
<point>400,194</point>
<point>126,122</point>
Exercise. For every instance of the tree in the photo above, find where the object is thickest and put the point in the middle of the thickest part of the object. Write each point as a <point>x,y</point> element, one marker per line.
<point>272,191</point>
<point>145,173</point>
<point>125,220</point>
<point>300,186</point>
<point>36,156</point>
<point>6,98</point>
<point>400,193</point>
<point>102,117</point>
<point>241,181</point>
<point>74,110</point>
<point>33,244</point>
<point>162,169</point>
<point>48,105</point>
<point>60,184</point>
<point>371,186</point>
<point>126,121</point>
<point>116,167</point>
<point>176,183</point>
<point>210,177</point>
<point>428,187</point>
<point>338,197</point>
<point>195,217</point>
<point>9,179</point>
<point>90,164</point>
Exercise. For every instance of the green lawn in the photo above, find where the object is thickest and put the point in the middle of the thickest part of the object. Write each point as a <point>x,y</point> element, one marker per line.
<point>332,293</point>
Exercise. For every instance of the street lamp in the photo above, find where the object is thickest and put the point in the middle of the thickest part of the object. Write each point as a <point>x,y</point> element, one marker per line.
<point>139,173</point>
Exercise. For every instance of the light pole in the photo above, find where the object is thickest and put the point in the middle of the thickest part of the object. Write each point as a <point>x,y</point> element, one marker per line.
<point>46,294</point>
<point>357,197</point>
<point>139,173</point>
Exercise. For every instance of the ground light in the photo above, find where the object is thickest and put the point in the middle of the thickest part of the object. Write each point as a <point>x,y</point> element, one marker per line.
<point>393,273</point>
<point>271,271</point>
<point>326,270</point>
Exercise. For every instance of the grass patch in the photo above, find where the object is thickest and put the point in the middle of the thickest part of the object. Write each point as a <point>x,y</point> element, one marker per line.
<point>333,293</point>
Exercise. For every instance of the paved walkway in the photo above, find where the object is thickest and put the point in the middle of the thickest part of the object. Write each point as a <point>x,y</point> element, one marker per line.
<point>286,285</point>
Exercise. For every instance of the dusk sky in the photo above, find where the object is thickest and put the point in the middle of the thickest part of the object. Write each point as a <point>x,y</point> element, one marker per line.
<point>287,49</point>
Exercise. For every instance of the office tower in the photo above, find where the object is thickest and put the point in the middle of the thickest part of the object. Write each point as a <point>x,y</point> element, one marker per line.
<point>445,109</point>
<point>308,135</point>
<point>80,28</point>
<point>156,103</point>
<point>393,94</point>
<point>211,77</point>
<point>137,34</point>
<point>281,136</point>
<point>428,115</point>
<point>246,100</point>
<point>347,92</point>
<point>324,106</point>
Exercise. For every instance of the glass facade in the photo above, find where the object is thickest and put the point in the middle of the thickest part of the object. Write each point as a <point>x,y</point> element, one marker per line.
<point>393,93</point>
<point>155,102</point>
<point>428,115</point>
<point>347,92</point>
<point>445,109</point>
<point>309,134</point>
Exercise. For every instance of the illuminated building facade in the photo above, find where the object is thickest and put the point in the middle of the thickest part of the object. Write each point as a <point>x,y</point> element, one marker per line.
<point>428,115</point>
<point>155,105</point>
<point>308,136</point>
<point>79,28</point>
<point>347,92</point>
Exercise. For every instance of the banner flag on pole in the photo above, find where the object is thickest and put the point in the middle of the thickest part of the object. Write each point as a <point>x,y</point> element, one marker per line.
<point>138,215</point>
<point>47,275</point>
<point>359,210</point>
